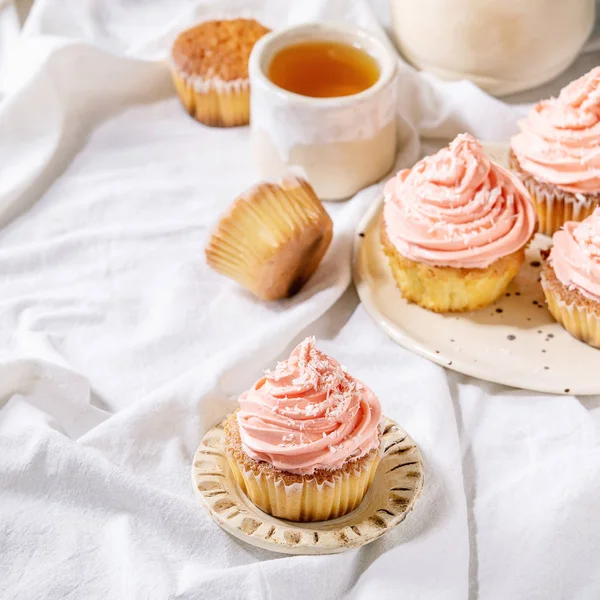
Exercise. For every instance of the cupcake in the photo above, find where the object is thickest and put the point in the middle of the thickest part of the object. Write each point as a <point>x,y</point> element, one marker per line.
<point>571,278</point>
<point>305,443</point>
<point>272,238</point>
<point>557,153</point>
<point>209,65</point>
<point>455,227</point>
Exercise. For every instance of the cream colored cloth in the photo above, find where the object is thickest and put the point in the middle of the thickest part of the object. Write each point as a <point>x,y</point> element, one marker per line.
<point>9,32</point>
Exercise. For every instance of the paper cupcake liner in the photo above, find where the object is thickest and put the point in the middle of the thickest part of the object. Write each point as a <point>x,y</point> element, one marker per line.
<point>554,207</point>
<point>579,321</point>
<point>214,102</point>
<point>308,500</point>
<point>272,239</point>
<point>450,289</point>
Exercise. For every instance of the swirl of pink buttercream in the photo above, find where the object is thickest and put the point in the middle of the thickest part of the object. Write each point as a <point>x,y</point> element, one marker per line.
<point>308,414</point>
<point>575,256</point>
<point>457,209</point>
<point>559,142</point>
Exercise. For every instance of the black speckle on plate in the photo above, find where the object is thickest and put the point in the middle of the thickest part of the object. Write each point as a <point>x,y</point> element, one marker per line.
<point>550,335</point>
<point>547,368</point>
<point>544,351</point>
<point>511,337</point>
<point>361,234</point>
<point>567,390</point>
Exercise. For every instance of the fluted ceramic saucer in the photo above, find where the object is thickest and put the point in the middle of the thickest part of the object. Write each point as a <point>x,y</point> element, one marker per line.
<point>395,489</point>
<point>514,341</point>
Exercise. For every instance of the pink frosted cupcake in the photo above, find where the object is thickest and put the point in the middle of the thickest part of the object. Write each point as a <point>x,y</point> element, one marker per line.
<point>455,228</point>
<point>557,153</point>
<point>305,443</point>
<point>571,279</point>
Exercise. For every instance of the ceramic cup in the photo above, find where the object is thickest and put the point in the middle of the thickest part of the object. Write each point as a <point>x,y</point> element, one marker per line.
<point>340,145</point>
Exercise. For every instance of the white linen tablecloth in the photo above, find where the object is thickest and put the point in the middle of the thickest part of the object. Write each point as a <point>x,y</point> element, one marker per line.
<point>119,347</point>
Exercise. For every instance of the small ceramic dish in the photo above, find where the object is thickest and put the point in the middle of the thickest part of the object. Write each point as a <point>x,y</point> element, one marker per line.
<point>397,486</point>
<point>339,144</point>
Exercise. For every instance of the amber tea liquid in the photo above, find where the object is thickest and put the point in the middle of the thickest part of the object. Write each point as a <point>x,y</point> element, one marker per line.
<point>323,69</point>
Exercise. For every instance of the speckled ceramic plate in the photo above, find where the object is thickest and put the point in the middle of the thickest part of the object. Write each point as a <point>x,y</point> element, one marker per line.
<point>397,486</point>
<point>515,341</point>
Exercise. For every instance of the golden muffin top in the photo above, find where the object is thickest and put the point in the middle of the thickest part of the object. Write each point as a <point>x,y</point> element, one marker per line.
<point>217,49</point>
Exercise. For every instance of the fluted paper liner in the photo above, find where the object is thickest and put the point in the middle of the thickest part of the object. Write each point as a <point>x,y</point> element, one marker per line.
<point>309,499</point>
<point>272,239</point>
<point>578,320</point>
<point>214,102</point>
<point>553,206</point>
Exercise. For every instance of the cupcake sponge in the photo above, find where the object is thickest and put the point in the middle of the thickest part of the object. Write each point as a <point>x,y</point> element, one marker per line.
<point>450,289</point>
<point>209,65</point>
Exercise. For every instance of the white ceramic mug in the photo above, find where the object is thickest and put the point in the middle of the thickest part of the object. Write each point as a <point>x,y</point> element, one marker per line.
<point>340,145</point>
